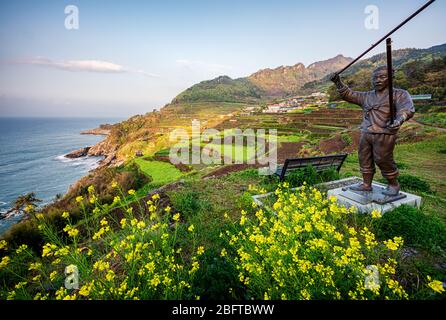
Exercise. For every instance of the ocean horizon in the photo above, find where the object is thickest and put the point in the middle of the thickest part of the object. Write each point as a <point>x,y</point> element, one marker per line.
<point>32,158</point>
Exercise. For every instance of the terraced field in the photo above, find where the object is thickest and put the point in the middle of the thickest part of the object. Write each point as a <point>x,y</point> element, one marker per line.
<point>317,124</point>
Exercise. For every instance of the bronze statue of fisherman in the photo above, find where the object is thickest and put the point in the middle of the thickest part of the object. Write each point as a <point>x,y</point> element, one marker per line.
<point>378,133</point>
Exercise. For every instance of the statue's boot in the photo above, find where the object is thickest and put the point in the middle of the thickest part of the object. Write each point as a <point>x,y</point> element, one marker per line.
<point>366,186</point>
<point>393,189</point>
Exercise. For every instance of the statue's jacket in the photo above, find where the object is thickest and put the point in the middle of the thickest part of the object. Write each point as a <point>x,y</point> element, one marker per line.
<point>376,117</point>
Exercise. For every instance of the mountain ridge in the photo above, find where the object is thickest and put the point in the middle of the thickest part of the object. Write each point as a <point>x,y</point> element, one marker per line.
<point>282,81</point>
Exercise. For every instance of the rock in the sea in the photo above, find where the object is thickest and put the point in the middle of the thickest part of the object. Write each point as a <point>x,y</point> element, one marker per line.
<point>9,214</point>
<point>82,152</point>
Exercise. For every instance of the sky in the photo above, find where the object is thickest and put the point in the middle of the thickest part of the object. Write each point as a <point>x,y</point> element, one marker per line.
<point>129,57</point>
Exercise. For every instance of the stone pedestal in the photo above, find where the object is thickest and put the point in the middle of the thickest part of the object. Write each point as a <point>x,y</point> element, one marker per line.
<point>368,201</point>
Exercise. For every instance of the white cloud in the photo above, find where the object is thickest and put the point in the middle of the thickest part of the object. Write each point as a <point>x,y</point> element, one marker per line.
<point>99,66</point>
<point>204,66</point>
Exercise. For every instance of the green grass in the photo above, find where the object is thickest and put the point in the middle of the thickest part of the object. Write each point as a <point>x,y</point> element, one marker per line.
<point>238,152</point>
<point>346,105</point>
<point>161,172</point>
<point>292,138</point>
<point>434,119</point>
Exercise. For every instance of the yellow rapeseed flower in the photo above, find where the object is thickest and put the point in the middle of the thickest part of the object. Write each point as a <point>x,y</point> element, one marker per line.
<point>20,249</point>
<point>53,275</point>
<point>156,196</point>
<point>79,199</point>
<point>3,245</point>
<point>34,266</point>
<point>195,267</point>
<point>37,278</point>
<point>141,225</point>
<point>394,244</point>
<point>65,215</point>
<point>191,228</point>
<point>60,293</point>
<point>39,296</point>
<point>116,199</point>
<point>101,265</point>
<point>435,285</point>
<point>73,232</point>
<point>11,295</point>
<point>376,214</point>
<point>131,192</point>
<point>93,199</point>
<point>110,275</point>
<point>200,250</point>
<point>5,261</point>
<point>86,289</point>
<point>176,217</point>
<point>48,250</point>
<point>20,285</point>
<point>68,297</point>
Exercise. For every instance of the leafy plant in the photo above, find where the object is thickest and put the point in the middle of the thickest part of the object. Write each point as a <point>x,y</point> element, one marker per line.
<point>417,229</point>
<point>215,276</point>
<point>413,183</point>
<point>189,202</point>
<point>128,258</point>
<point>308,251</point>
<point>311,176</point>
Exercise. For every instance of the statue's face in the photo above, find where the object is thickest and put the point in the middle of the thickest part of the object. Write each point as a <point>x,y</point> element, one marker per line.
<point>380,80</point>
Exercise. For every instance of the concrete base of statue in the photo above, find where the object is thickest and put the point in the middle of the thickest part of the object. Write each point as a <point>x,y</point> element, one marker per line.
<point>367,201</point>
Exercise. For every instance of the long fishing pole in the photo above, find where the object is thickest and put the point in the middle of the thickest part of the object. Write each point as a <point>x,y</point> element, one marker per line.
<point>390,79</point>
<point>387,35</point>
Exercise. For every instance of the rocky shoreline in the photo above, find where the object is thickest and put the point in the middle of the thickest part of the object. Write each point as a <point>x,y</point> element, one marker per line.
<point>10,214</point>
<point>102,149</point>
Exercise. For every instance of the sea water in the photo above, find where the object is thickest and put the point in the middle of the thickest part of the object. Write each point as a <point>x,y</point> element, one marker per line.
<point>32,157</point>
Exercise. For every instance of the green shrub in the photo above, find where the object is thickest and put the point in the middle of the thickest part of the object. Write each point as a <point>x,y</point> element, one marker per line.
<point>189,202</point>
<point>310,176</point>
<point>401,165</point>
<point>245,202</point>
<point>416,228</point>
<point>412,183</point>
<point>215,277</point>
